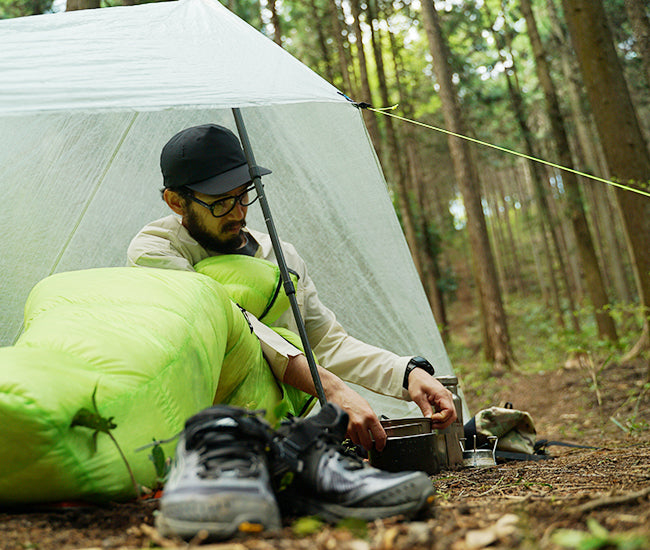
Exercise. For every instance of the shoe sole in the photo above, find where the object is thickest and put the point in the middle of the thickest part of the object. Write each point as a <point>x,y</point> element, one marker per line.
<point>266,518</point>
<point>215,530</point>
<point>333,513</point>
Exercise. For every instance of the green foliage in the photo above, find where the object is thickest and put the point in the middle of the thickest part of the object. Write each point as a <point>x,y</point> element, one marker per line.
<point>161,463</point>
<point>95,421</point>
<point>447,283</point>
<point>599,537</point>
<point>633,424</point>
<point>540,345</point>
<point>356,526</point>
<point>309,525</point>
<point>305,526</point>
<point>287,479</point>
<point>19,8</point>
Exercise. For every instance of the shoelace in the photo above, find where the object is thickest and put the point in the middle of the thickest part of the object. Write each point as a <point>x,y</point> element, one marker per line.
<point>349,458</point>
<point>223,450</point>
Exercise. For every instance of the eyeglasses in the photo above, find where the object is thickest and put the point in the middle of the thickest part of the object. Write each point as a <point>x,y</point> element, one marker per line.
<point>221,207</point>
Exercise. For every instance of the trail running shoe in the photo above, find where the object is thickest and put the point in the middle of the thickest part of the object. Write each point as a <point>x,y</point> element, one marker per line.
<point>220,480</point>
<point>333,483</point>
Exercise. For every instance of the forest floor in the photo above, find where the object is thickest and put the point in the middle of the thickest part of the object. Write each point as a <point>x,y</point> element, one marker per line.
<point>584,498</point>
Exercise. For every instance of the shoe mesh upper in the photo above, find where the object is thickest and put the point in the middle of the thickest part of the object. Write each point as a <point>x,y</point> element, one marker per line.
<point>228,440</point>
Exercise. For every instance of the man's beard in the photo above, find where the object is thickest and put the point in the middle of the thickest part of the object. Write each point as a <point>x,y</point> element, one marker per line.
<point>210,242</point>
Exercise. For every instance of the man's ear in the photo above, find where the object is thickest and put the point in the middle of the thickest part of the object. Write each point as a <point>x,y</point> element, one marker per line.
<point>174,201</point>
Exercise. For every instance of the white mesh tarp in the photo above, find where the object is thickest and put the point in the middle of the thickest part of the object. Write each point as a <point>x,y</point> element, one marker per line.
<point>88,99</point>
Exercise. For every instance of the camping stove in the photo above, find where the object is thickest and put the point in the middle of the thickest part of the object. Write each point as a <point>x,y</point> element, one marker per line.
<point>413,443</point>
<point>480,458</point>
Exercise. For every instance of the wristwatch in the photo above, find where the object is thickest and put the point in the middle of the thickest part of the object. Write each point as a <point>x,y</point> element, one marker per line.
<point>417,363</point>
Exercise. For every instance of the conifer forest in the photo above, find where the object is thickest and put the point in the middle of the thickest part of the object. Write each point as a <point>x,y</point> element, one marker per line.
<point>514,137</point>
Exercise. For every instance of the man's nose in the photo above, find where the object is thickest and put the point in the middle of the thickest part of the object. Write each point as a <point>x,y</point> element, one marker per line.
<point>239,211</point>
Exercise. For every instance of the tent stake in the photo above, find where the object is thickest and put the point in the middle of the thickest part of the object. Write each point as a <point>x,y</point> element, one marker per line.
<point>279,255</point>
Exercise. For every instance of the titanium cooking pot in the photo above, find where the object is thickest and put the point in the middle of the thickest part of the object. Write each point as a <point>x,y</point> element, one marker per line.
<point>411,444</point>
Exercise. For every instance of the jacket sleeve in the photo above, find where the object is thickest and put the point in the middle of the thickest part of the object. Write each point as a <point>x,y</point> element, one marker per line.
<point>350,359</point>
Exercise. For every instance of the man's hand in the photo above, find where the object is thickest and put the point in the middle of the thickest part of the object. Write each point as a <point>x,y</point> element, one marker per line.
<point>363,426</point>
<point>435,401</point>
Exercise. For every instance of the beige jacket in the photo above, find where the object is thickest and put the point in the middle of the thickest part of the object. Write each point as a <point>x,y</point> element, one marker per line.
<point>165,243</point>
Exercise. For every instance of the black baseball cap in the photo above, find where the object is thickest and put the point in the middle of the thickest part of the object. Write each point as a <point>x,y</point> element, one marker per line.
<point>207,158</point>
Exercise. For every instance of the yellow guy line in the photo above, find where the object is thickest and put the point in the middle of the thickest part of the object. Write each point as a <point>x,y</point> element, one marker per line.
<point>384,111</point>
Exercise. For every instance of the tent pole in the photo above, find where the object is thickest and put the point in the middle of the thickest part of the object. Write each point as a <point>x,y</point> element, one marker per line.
<point>289,288</point>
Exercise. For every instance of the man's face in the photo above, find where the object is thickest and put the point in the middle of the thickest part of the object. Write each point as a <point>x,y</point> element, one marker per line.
<point>222,234</point>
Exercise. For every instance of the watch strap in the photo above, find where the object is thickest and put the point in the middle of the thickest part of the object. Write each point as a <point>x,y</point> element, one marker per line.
<point>417,363</point>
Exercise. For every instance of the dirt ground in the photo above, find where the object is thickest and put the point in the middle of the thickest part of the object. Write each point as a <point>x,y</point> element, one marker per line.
<point>510,505</point>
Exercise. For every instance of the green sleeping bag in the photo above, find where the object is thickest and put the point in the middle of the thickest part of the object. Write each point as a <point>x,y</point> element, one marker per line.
<point>256,285</point>
<point>154,346</point>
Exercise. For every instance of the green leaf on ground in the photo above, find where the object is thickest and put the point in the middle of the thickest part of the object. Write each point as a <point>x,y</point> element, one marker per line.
<point>356,526</point>
<point>305,526</point>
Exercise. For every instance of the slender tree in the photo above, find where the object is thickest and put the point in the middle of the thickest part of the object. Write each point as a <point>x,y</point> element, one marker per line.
<point>637,13</point>
<point>73,5</point>
<point>584,241</point>
<point>504,44</point>
<point>339,39</point>
<point>394,150</point>
<point>275,21</point>
<point>589,155</point>
<point>428,246</point>
<point>623,142</point>
<point>497,341</point>
<point>317,23</point>
<point>369,117</point>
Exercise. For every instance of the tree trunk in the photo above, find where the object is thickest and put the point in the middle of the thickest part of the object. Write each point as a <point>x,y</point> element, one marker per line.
<point>73,5</point>
<point>495,235</point>
<point>527,200</point>
<point>513,245</point>
<point>322,41</point>
<point>275,21</point>
<point>623,142</point>
<point>369,117</point>
<point>638,15</point>
<point>340,47</point>
<point>497,342</point>
<point>566,239</point>
<point>537,177</point>
<point>427,250</point>
<point>593,276</point>
<point>593,159</point>
<point>396,163</point>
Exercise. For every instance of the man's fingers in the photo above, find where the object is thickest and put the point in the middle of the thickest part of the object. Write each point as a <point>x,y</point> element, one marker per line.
<point>442,419</point>
<point>379,435</point>
<point>366,441</point>
<point>422,401</point>
<point>368,437</point>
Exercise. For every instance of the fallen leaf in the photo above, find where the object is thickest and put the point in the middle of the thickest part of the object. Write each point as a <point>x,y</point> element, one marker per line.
<point>480,538</point>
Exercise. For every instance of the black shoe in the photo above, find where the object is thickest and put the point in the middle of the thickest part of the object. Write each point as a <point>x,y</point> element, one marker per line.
<point>334,484</point>
<point>220,480</point>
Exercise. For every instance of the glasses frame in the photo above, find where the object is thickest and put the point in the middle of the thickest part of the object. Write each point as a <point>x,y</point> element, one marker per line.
<point>237,199</point>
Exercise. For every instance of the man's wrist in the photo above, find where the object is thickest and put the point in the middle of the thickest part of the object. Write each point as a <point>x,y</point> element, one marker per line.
<point>416,363</point>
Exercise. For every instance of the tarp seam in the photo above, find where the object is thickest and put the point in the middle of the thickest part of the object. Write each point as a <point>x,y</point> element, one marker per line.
<point>100,180</point>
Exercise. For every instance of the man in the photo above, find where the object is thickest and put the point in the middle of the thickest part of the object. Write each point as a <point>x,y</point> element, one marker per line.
<point>207,186</point>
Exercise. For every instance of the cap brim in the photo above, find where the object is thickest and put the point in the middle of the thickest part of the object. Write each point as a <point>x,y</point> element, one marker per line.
<point>232,179</point>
